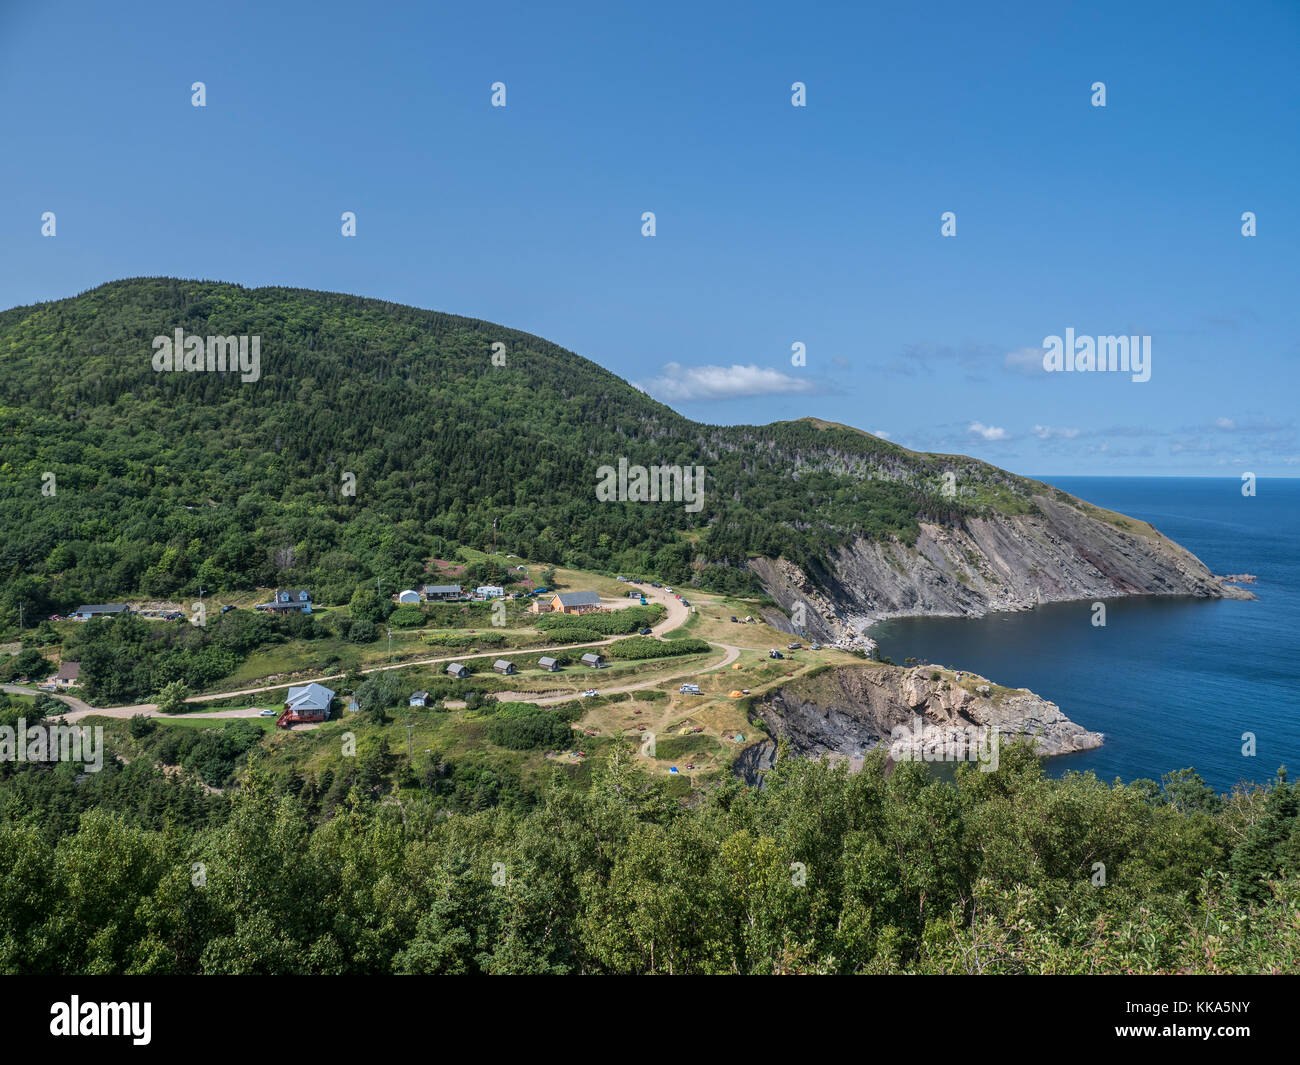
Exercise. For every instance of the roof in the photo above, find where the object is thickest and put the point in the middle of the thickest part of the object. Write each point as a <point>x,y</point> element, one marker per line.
<point>309,697</point>
<point>419,695</point>
<point>456,667</point>
<point>591,657</point>
<point>101,608</point>
<point>501,663</point>
<point>407,591</point>
<point>578,598</point>
<point>294,593</point>
<point>546,663</point>
<point>68,671</point>
<point>442,589</point>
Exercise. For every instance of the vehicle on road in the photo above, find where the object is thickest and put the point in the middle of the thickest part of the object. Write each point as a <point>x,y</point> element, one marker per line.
<point>645,632</point>
<point>266,713</point>
<point>589,693</point>
<point>689,689</point>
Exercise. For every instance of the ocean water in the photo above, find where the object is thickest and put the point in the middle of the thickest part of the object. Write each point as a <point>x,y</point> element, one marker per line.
<point>1172,682</point>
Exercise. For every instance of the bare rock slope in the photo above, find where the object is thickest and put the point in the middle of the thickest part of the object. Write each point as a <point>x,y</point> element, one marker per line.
<point>1065,550</point>
<point>849,710</point>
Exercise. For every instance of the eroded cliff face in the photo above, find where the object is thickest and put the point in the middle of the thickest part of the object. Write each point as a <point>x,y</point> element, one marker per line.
<point>848,711</point>
<point>1066,551</point>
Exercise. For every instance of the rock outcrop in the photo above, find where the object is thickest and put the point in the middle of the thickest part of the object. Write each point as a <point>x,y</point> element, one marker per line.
<point>1064,550</point>
<point>849,710</point>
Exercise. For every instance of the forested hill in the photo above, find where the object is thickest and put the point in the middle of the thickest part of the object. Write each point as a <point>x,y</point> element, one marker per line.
<point>118,479</point>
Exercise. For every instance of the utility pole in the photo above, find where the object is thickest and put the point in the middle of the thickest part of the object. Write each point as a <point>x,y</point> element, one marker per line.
<point>390,644</point>
<point>409,729</point>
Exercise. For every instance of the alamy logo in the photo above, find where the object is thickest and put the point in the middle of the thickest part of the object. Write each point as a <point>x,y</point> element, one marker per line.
<point>922,742</point>
<point>53,743</point>
<point>656,484</point>
<point>102,1018</point>
<point>190,354</point>
<point>1116,354</point>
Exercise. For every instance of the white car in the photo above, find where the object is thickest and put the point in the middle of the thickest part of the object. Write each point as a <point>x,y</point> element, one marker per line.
<point>669,591</point>
<point>266,713</point>
<point>590,692</point>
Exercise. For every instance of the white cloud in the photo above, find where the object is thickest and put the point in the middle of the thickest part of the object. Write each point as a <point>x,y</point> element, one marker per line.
<point>880,433</point>
<point>677,383</point>
<point>1048,432</point>
<point>1027,361</point>
<point>1224,423</point>
<point>988,432</point>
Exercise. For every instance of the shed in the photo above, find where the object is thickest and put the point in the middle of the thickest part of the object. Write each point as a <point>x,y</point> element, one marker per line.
<point>501,665</point>
<point>551,665</point>
<point>593,660</point>
<point>458,670</point>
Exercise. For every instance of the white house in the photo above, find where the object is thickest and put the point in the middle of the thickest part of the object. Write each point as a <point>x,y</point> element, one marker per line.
<point>490,591</point>
<point>420,699</point>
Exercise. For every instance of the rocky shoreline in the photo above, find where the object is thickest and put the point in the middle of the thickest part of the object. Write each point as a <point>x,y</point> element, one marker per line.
<point>1066,551</point>
<point>848,711</point>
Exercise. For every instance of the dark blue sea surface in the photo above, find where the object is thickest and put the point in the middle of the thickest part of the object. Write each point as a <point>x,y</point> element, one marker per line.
<point>1172,682</point>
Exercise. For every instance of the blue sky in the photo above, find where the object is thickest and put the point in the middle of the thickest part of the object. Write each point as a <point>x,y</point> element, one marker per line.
<point>775,224</point>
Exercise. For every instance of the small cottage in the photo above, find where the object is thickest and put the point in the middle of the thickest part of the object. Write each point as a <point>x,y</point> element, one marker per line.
<point>504,667</point>
<point>551,665</point>
<point>458,670</point>
<point>593,660</point>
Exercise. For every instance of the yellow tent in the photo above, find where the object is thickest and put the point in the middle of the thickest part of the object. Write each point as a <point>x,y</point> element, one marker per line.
<point>736,666</point>
<point>736,694</point>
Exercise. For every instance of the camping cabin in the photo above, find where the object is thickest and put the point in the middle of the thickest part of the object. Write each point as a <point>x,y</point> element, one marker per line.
<point>458,670</point>
<point>504,667</point>
<point>593,660</point>
<point>420,699</point>
<point>551,665</point>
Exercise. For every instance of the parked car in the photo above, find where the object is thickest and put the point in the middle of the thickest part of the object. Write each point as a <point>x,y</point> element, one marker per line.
<point>589,693</point>
<point>645,632</point>
<point>668,590</point>
<point>689,689</point>
<point>266,713</point>
<point>735,619</point>
<point>814,646</point>
<point>55,617</point>
<point>793,646</point>
<point>228,608</point>
<point>775,654</point>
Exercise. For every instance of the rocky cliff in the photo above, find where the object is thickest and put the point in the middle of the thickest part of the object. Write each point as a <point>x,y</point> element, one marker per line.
<point>1062,549</point>
<point>847,711</point>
